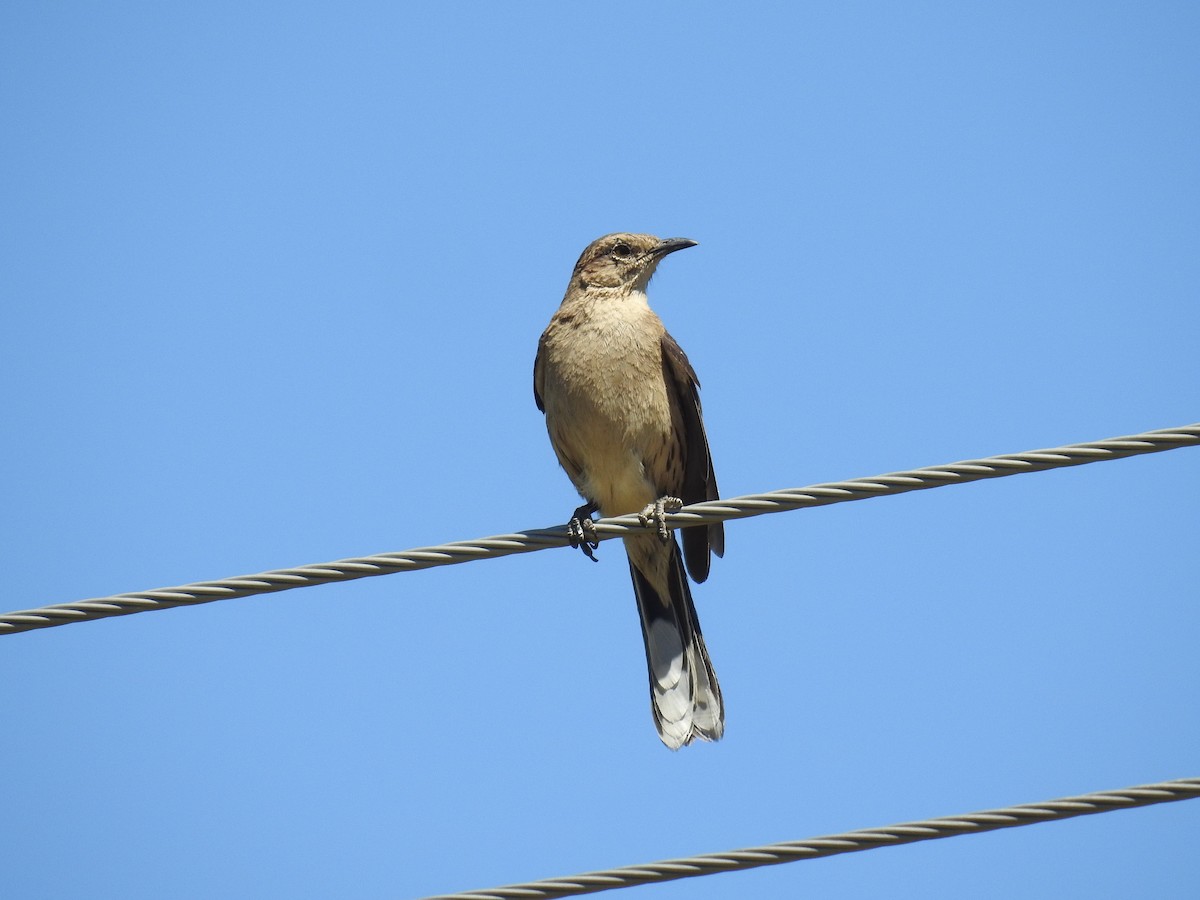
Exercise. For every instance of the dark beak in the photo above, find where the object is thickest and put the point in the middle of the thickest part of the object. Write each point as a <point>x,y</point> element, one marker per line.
<point>670,245</point>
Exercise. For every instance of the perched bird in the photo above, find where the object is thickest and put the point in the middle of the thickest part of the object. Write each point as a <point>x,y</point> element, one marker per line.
<point>622,408</point>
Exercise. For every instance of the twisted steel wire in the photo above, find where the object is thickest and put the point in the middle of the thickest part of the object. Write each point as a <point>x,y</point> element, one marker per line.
<point>833,844</point>
<point>542,538</point>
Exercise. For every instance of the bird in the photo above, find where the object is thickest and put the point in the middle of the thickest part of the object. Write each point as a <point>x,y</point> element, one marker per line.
<point>622,408</point>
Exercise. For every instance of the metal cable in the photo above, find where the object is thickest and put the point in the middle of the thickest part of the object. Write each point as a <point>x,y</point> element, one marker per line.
<point>833,844</point>
<point>541,538</point>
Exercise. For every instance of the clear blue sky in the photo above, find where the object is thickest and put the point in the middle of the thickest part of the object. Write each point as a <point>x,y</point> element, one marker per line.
<point>273,276</point>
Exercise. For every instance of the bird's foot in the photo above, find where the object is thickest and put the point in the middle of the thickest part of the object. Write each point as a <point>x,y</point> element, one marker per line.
<point>581,531</point>
<point>656,514</point>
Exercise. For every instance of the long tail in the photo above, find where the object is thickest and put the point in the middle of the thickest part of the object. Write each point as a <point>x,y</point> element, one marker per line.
<point>684,695</point>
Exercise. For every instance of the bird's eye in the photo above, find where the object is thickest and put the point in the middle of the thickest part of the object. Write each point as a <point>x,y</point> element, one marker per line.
<point>621,250</point>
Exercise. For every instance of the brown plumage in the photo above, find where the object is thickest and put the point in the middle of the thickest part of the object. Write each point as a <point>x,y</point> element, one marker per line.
<point>623,411</point>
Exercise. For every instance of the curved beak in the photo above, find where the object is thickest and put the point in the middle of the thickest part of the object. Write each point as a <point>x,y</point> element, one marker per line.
<point>670,245</point>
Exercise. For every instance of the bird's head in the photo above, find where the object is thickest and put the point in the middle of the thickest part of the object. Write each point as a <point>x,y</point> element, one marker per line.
<point>623,261</point>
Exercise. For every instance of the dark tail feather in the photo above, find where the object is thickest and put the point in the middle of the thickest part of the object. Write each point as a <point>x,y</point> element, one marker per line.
<point>685,697</point>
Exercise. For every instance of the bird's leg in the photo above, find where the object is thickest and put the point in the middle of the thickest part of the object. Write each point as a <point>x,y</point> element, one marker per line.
<point>656,514</point>
<point>581,531</point>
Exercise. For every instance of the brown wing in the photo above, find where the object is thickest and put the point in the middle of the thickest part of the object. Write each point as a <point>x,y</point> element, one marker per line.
<point>699,480</point>
<point>537,376</point>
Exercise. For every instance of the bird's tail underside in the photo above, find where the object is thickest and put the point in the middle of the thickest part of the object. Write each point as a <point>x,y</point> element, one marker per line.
<point>684,695</point>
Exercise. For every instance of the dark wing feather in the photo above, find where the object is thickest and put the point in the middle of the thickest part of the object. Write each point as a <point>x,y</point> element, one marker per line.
<point>699,480</point>
<point>537,376</point>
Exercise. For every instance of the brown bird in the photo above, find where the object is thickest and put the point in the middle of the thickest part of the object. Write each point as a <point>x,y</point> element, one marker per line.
<point>622,408</point>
